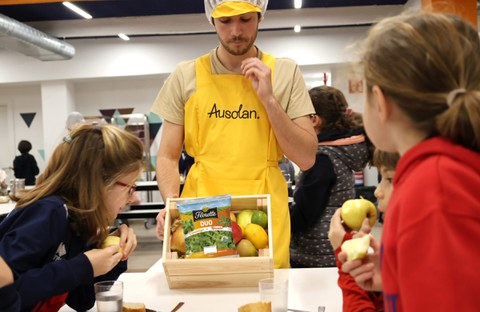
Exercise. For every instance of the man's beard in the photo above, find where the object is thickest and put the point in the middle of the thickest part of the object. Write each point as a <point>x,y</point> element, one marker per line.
<point>239,51</point>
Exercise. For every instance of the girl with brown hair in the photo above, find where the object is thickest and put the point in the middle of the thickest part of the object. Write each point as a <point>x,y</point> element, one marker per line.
<point>51,240</point>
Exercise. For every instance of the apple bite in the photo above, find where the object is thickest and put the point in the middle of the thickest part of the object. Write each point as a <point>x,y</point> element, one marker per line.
<point>356,248</point>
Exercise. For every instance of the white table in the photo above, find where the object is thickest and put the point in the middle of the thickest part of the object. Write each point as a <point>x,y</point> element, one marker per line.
<point>5,208</point>
<point>308,288</point>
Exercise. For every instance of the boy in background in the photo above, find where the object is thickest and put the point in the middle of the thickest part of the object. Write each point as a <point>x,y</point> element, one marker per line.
<point>354,297</point>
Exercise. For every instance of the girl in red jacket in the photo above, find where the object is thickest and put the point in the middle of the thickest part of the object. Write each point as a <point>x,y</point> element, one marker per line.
<point>423,101</point>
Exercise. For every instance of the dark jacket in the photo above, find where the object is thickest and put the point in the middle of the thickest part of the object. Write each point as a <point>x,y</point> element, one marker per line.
<point>320,191</point>
<point>25,167</point>
<point>47,257</point>
<point>10,301</point>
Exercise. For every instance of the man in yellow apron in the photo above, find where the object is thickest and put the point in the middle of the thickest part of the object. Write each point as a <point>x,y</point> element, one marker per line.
<point>237,110</point>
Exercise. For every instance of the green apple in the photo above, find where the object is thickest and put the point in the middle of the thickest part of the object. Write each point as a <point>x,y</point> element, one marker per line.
<point>260,217</point>
<point>356,248</point>
<point>354,211</point>
<point>244,217</point>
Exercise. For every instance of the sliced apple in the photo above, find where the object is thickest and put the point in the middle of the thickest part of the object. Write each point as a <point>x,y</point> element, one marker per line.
<point>356,248</point>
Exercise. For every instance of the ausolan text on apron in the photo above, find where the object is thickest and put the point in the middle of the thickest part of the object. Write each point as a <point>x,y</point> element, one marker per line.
<point>232,114</point>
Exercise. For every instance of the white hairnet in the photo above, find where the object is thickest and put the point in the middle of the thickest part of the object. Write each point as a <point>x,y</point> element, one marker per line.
<point>210,6</point>
<point>73,119</point>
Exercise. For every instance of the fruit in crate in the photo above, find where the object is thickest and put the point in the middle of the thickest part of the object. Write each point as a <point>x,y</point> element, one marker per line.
<point>236,232</point>
<point>177,242</point>
<point>244,217</point>
<point>260,217</point>
<point>265,306</point>
<point>111,240</point>
<point>233,217</point>
<point>354,211</point>
<point>245,248</point>
<point>257,235</point>
<point>356,248</point>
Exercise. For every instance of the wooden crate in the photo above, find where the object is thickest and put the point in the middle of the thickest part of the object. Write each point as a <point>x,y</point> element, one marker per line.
<point>218,272</point>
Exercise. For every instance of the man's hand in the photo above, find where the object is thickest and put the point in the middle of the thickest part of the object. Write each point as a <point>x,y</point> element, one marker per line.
<point>261,77</point>
<point>161,223</point>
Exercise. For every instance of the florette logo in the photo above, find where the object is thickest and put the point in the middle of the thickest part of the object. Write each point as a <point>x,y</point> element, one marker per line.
<point>205,213</point>
<point>232,114</point>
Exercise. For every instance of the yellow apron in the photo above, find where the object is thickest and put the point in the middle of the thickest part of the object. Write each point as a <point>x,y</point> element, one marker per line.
<point>228,133</point>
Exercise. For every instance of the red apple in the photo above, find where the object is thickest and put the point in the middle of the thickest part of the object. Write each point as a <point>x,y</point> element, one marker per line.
<point>237,232</point>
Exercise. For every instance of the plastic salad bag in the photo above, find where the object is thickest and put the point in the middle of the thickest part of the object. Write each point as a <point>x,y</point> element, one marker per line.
<point>207,227</point>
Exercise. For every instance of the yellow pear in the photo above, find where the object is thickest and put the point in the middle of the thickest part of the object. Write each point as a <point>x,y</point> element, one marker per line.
<point>112,240</point>
<point>354,211</point>
<point>244,217</point>
<point>245,248</point>
<point>356,248</point>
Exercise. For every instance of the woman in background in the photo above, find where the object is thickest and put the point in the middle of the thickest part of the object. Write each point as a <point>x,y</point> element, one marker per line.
<point>342,149</point>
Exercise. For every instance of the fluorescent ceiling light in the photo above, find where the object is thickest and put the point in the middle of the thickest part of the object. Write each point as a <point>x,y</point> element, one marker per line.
<point>297,28</point>
<point>297,4</point>
<point>77,10</point>
<point>123,37</point>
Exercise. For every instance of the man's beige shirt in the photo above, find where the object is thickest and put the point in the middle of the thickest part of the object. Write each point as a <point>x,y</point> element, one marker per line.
<point>288,87</point>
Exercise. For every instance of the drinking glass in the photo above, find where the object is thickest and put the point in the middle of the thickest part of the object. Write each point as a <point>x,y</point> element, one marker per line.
<point>109,296</point>
<point>274,290</point>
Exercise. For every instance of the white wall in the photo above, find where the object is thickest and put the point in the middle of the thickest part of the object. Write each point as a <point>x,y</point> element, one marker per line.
<point>18,100</point>
<point>105,58</point>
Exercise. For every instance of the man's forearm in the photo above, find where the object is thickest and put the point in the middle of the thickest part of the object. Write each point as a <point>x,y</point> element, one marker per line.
<point>168,178</point>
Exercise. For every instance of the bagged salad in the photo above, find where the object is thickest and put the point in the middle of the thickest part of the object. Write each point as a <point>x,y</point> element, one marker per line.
<point>207,227</point>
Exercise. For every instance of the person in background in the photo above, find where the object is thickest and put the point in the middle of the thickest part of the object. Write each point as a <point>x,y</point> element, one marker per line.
<point>330,182</point>
<point>354,297</point>
<point>425,105</point>
<point>51,239</point>
<point>10,300</point>
<point>25,166</point>
<point>234,121</point>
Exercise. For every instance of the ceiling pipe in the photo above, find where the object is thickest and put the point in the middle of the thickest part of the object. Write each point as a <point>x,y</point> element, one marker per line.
<point>32,42</point>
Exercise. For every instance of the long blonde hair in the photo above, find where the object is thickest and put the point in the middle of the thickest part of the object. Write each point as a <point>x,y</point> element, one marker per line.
<point>90,160</point>
<point>418,61</point>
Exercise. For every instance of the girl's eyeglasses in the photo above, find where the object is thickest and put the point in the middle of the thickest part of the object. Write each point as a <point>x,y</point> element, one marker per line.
<point>131,189</point>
